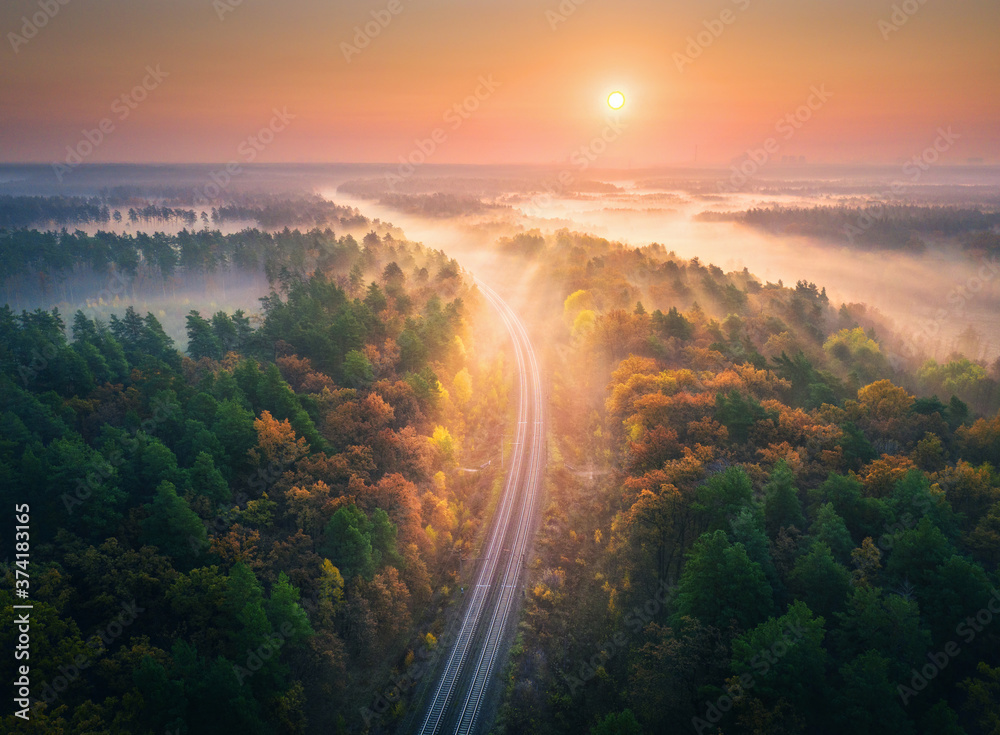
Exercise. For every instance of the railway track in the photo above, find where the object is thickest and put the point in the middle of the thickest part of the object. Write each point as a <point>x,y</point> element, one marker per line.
<point>478,647</point>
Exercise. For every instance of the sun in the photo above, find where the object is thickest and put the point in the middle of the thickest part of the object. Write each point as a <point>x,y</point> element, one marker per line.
<point>616,100</point>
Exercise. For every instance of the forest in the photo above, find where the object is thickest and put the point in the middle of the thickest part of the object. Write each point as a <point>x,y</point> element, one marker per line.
<point>757,523</point>
<point>758,519</point>
<point>255,532</point>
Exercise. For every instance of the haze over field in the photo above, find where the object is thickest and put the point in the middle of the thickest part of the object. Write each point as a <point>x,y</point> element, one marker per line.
<point>931,295</point>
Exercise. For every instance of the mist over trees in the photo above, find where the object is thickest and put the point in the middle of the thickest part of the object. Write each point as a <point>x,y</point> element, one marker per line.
<point>763,512</point>
<point>757,522</point>
<point>159,205</point>
<point>877,226</point>
<point>278,507</point>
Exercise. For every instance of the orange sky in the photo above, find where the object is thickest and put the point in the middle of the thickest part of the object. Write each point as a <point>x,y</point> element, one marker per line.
<point>226,76</point>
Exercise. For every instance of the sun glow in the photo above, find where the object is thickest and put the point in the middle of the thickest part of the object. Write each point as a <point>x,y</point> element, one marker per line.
<point>616,100</point>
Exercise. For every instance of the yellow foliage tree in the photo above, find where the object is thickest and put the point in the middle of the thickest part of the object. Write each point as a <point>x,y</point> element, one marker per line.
<point>575,303</point>
<point>584,323</point>
<point>462,387</point>
<point>883,401</point>
<point>444,443</point>
<point>331,584</point>
<point>276,442</point>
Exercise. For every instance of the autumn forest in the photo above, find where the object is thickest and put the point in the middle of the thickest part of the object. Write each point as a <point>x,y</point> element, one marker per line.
<point>762,512</point>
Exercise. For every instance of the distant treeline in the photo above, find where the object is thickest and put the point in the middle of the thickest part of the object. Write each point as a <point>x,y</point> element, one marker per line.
<point>24,252</point>
<point>24,211</point>
<point>286,213</point>
<point>436,205</point>
<point>30,259</point>
<point>312,211</point>
<point>882,226</point>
